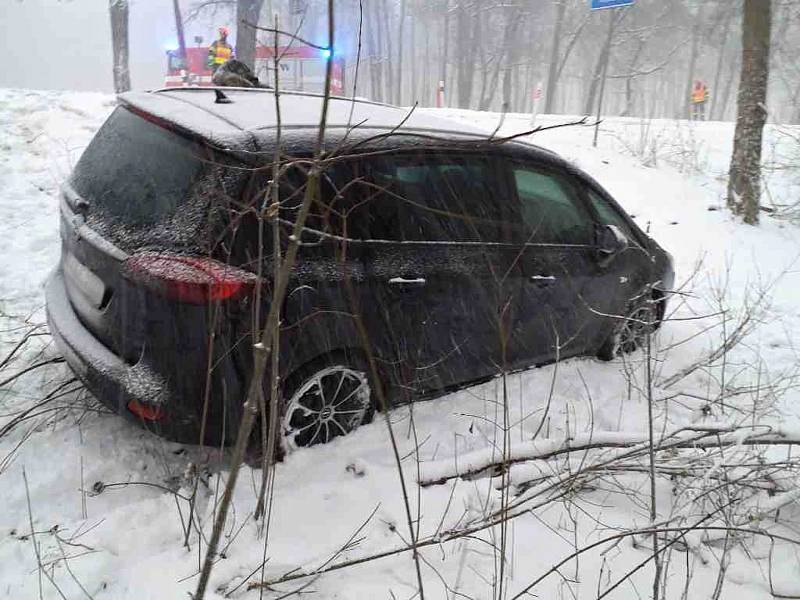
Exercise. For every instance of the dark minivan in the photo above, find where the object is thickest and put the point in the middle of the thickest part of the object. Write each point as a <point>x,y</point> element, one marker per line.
<point>463,255</point>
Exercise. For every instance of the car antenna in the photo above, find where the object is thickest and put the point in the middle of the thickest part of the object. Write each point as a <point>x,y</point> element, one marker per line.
<point>222,98</point>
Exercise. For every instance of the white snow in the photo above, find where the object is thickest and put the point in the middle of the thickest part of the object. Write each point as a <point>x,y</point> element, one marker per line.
<point>124,540</point>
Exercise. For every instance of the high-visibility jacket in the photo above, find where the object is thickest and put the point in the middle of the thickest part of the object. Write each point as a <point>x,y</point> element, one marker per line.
<point>218,53</point>
<point>699,94</point>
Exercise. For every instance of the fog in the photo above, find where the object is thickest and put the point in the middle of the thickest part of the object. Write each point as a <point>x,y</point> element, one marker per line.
<point>66,44</point>
<point>641,60</point>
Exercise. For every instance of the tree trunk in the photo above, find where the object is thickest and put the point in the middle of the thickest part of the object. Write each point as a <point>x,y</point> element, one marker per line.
<point>526,91</point>
<point>118,10</point>
<point>795,118</point>
<point>445,48</point>
<point>602,63</point>
<point>489,85</point>
<point>628,110</point>
<point>247,11</point>
<point>466,64</point>
<point>176,7</point>
<point>426,72</point>
<point>383,34</point>
<point>509,53</point>
<point>570,46</point>
<point>744,182</point>
<point>400,24</point>
<point>506,50</point>
<point>507,105</point>
<point>629,80</point>
<point>376,85</point>
<point>552,72</point>
<point>484,78</point>
<point>677,97</point>
<point>413,58</point>
<point>690,75</point>
<point>715,94</point>
<point>729,86</point>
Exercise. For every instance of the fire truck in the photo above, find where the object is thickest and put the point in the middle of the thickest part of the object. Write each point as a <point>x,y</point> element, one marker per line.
<point>301,68</point>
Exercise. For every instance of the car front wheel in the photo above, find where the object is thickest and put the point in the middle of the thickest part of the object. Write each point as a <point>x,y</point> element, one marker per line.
<point>631,331</point>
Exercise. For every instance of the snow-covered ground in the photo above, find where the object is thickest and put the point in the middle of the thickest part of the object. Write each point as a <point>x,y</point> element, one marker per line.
<point>107,501</point>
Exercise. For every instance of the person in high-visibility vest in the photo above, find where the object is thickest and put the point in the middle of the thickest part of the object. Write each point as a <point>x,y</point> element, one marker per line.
<point>220,51</point>
<point>698,100</point>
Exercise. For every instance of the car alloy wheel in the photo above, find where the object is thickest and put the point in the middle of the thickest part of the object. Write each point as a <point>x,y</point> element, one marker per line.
<point>330,403</point>
<point>640,322</point>
<point>630,332</point>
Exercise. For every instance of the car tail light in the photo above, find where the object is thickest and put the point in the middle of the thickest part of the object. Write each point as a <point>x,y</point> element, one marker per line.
<point>146,412</point>
<point>190,279</point>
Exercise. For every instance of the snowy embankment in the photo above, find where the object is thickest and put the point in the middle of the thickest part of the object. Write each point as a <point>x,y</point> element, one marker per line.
<point>107,502</point>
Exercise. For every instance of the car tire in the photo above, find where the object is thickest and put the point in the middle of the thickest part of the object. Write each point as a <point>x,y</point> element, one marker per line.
<point>325,399</point>
<point>642,318</point>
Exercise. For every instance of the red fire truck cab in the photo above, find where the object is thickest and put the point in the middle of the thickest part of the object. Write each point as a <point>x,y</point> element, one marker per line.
<point>301,68</point>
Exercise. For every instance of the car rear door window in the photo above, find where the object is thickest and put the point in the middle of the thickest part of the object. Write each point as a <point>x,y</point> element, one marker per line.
<point>550,208</point>
<point>426,197</point>
<point>406,197</point>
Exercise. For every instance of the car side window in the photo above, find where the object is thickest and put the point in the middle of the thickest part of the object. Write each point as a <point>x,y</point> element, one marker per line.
<point>324,215</point>
<point>426,197</point>
<point>607,214</point>
<point>550,207</point>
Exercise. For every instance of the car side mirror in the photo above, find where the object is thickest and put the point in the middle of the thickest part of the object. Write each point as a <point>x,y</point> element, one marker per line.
<point>611,240</point>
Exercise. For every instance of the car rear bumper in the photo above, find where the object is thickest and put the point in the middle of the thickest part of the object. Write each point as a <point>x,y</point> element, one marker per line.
<point>112,380</point>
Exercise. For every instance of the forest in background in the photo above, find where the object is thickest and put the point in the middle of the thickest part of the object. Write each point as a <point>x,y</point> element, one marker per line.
<point>493,55</point>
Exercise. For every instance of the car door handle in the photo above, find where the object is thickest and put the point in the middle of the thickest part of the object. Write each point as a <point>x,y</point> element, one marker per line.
<point>403,282</point>
<point>542,280</point>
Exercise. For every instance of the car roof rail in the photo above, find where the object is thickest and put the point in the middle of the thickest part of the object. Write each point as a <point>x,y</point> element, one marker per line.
<point>270,91</point>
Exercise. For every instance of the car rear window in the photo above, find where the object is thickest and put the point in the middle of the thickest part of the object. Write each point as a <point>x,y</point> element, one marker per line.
<point>136,171</point>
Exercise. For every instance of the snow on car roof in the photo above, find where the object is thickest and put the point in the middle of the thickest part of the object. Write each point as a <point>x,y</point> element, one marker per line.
<point>252,111</point>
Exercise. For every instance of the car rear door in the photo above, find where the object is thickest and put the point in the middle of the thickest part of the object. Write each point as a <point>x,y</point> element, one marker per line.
<point>428,224</point>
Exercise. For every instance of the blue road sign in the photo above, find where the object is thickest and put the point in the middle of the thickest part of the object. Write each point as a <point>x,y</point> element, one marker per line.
<point>598,4</point>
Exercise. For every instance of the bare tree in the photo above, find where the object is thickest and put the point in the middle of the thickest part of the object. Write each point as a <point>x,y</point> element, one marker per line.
<point>744,185</point>
<point>601,66</point>
<point>697,28</point>
<point>727,20</point>
<point>467,40</point>
<point>176,7</point>
<point>247,11</point>
<point>374,53</point>
<point>655,52</point>
<point>552,73</point>
<point>118,9</point>
<point>400,23</point>
<point>445,42</point>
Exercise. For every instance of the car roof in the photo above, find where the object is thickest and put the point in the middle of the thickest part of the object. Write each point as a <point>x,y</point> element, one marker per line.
<point>253,110</point>
<point>249,121</point>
